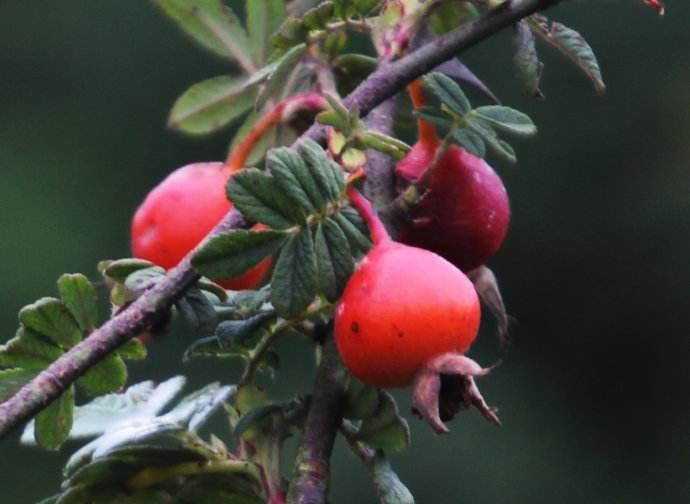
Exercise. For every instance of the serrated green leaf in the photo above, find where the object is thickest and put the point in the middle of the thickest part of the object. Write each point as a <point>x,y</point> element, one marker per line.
<point>54,422</point>
<point>385,429</point>
<point>389,488</point>
<point>197,310</point>
<point>449,92</point>
<point>491,139</point>
<point>132,350</point>
<point>470,141</point>
<point>571,44</point>
<point>506,119</point>
<point>327,175</point>
<point>211,104</point>
<point>108,376</point>
<point>354,228</point>
<point>213,25</point>
<point>282,68</point>
<point>119,270</point>
<point>437,118</point>
<point>51,318</point>
<point>526,60</point>
<point>29,350</point>
<point>355,66</point>
<point>263,19</point>
<point>333,257</point>
<point>294,280</point>
<point>258,197</point>
<point>12,380</point>
<point>231,254</point>
<point>291,172</point>
<point>81,298</point>
<point>267,140</point>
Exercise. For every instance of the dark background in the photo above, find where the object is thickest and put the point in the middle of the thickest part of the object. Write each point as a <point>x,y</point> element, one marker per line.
<point>594,393</point>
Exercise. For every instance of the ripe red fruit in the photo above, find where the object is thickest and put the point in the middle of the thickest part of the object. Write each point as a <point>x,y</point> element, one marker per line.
<point>464,213</point>
<point>179,212</point>
<point>403,307</point>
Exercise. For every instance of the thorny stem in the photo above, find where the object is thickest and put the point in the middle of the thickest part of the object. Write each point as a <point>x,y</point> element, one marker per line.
<point>388,80</point>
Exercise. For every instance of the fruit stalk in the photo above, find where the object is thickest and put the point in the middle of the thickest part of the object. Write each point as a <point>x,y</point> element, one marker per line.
<point>280,113</point>
<point>378,231</point>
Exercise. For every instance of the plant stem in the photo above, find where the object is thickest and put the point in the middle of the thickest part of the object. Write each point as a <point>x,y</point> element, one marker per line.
<point>312,468</point>
<point>280,113</point>
<point>385,82</point>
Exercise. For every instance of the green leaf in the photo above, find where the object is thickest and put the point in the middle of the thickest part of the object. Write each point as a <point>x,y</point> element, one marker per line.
<point>29,350</point>
<point>362,400</point>
<point>211,104</point>
<point>81,299</point>
<point>333,257</point>
<point>263,19</point>
<point>326,173</point>
<point>571,44</point>
<point>231,254</point>
<point>506,119</point>
<point>385,429</point>
<point>267,140</point>
<point>437,118</point>
<point>294,280</point>
<point>253,418</point>
<point>51,318</point>
<point>197,310</point>
<point>489,136</point>
<point>132,350</point>
<point>292,174</point>
<point>12,380</point>
<point>211,24</point>
<point>144,279</point>
<point>470,141</point>
<point>354,228</point>
<point>526,60</point>
<point>119,270</point>
<point>449,92</point>
<point>54,423</point>
<point>281,69</point>
<point>389,488</point>
<point>108,376</point>
<point>258,197</point>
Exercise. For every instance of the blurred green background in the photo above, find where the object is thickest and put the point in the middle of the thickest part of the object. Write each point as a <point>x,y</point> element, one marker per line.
<point>593,394</point>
